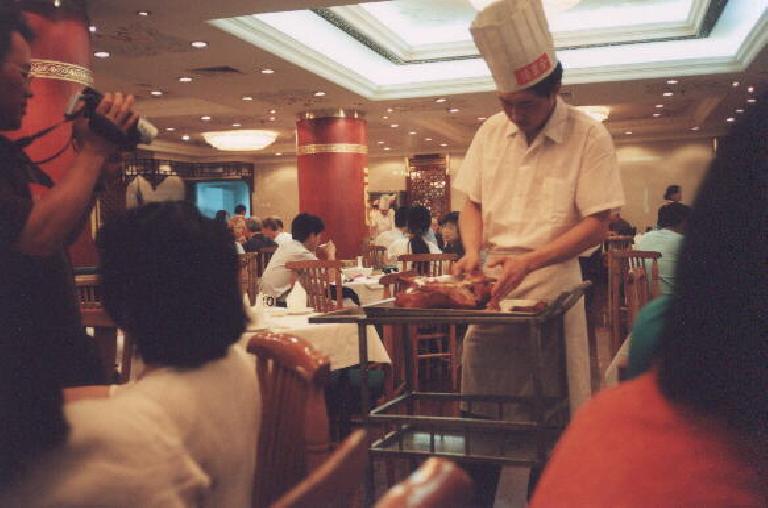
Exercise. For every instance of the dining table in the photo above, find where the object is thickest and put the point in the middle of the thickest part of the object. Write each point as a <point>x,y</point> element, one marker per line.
<point>337,340</point>
<point>368,288</point>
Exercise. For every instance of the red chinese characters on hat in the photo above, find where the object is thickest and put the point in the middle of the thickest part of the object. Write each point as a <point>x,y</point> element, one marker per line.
<point>533,70</point>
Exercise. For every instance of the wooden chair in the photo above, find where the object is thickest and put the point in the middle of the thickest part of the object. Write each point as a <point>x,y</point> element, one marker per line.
<point>637,293</point>
<point>294,438</point>
<point>618,242</point>
<point>374,256</point>
<point>428,343</point>
<point>438,483</point>
<point>317,277</point>
<point>93,315</point>
<point>431,265</point>
<point>264,256</point>
<point>619,265</point>
<point>336,481</point>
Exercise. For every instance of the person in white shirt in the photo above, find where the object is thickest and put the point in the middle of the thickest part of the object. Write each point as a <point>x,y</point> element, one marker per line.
<point>306,231</point>
<point>381,217</point>
<point>540,179</point>
<point>185,434</point>
<point>667,240</point>
<point>398,232</point>
<point>419,221</point>
<point>272,228</point>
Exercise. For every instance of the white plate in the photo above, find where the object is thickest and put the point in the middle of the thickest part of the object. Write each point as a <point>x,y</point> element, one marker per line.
<point>305,310</point>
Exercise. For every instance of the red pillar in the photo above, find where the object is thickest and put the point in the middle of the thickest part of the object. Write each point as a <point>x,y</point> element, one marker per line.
<point>60,59</point>
<point>332,155</point>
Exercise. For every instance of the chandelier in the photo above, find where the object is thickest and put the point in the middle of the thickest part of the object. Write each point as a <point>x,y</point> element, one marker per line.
<point>240,140</point>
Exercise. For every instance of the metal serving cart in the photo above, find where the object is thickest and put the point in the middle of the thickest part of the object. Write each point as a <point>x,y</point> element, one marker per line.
<point>422,424</point>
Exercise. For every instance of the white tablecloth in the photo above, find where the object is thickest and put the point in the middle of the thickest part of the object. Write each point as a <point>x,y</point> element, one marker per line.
<point>368,289</point>
<point>337,340</point>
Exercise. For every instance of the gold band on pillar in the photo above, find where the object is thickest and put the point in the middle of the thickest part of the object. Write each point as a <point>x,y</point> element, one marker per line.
<point>331,148</point>
<point>63,71</point>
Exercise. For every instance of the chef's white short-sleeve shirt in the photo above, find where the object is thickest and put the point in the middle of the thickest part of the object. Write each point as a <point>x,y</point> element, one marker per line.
<point>530,195</point>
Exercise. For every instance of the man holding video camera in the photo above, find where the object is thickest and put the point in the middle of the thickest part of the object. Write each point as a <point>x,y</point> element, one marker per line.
<point>37,295</point>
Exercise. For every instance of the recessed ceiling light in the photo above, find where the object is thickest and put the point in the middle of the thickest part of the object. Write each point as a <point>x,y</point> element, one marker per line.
<point>656,115</point>
<point>668,94</point>
<point>751,101</point>
<point>379,142</point>
<point>101,54</point>
<point>185,137</point>
<point>413,133</point>
<point>272,111</point>
<point>319,94</point>
<point>92,28</point>
<point>443,144</point>
<point>736,83</point>
<point>395,126</point>
<point>278,153</point>
<point>385,118</point>
<point>272,118</point>
<point>389,110</point>
<point>185,79</point>
<point>170,129</point>
<point>156,93</point>
<point>739,111</point>
<point>246,98</point>
<point>386,149</point>
<point>237,124</point>
<point>453,110</point>
<point>205,118</point>
<point>628,133</point>
<point>672,81</point>
<point>199,44</point>
<point>267,70</point>
<point>659,105</point>
<point>427,139</point>
<point>441,99</point>
<point>750,89</point>
<point>730,119</point>
<point>695,128</point>
<point>143,13</point>
<point>482,118</point>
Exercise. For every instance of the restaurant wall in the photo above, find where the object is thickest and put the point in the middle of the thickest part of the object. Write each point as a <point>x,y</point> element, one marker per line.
<point>647,169</point>
<point>276,191</point>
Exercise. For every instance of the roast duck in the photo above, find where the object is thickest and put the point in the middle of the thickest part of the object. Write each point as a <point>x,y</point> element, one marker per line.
<point>470,292</point>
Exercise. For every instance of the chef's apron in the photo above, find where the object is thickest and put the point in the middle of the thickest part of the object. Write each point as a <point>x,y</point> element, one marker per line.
<point>496,359</point>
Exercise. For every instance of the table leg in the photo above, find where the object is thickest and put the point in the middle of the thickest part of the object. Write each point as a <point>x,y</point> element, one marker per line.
<point>362,333</point>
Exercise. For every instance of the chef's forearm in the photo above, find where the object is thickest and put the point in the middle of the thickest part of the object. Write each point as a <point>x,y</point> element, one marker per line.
<point>471,227</point>
<point>587,233</point>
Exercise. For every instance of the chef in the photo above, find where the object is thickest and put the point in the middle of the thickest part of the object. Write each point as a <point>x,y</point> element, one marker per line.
<point>541,179</point>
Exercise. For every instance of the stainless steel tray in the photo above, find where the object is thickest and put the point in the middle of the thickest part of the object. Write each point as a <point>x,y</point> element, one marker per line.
<point>387,308</point>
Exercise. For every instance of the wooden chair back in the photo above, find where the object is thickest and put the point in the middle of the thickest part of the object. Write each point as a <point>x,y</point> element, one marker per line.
<point>619,242</point>
<point>619,265</point>
<point>336,481</point>
<point>637,293</point>
<point>395,282</point>
<point>438,483</point>
<point>431,265</point>
<point>317,277</point>
<point>88,290</point>
<point>264,256</point>
<point>294,437</point>
<point>374,256</point>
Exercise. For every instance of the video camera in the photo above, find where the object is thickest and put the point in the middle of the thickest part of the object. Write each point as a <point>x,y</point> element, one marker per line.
<point>143,132</point>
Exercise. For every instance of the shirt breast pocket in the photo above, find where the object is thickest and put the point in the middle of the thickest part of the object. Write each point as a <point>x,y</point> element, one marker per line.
<point>559,198</point>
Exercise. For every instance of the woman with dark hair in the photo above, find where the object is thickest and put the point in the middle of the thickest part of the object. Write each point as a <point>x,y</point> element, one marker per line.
<point>693,431</point>
<point>419,222</point>
<point>222,217</point>
<point>185,433</point>
<point>673,194</point>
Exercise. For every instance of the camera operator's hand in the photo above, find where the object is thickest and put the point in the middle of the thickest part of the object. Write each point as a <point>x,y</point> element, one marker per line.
<point>116,108</point>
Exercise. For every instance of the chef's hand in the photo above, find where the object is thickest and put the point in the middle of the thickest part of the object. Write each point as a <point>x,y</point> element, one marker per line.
<point>514,269</point>
<point>470,263</point>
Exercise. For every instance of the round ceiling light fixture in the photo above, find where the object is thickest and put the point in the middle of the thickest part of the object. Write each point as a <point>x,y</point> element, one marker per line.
<point>241,140</point>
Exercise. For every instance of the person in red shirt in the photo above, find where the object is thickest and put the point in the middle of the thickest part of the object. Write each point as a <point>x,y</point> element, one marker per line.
<point>694,430</point>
